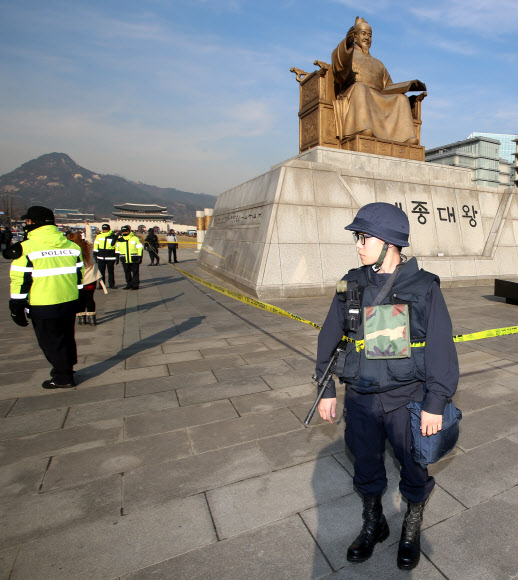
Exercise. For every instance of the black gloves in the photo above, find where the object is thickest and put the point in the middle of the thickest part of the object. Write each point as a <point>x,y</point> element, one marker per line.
<point>17,308</point>
<point>13,252</point>
<point>116,261</point>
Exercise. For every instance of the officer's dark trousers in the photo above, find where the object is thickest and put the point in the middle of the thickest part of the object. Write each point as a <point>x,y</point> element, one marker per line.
<point>56,339</point>
<point>110,266</point>
<point>131,271</point>
<point>367,428</point>
<point>153,256</point>
<point>171,249</point>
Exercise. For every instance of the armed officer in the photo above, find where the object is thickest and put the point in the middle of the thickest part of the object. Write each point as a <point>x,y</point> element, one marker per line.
<point>46,276</point>
<point>129,250</point>
<point>104,253</point>
<point>381,380</point>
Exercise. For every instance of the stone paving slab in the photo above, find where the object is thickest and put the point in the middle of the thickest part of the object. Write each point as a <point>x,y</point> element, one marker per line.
<point>5,406</point>
<point>82,466</point>
<point>271,400</point>
<point>481,396</point>
<point>155,484</point>
<point>36,422</point>
<point>22,477</point>
<point>114,376</point>
<point>284,379</point>
<point>268,498</point>
<point>301,446</point>
<point>283,550</point>
<point>214,392</point>
<point>58,511</point>
<point>489,551</point>
<point>156,385</point>
<point>242,349</point>
<point>159,359</point>
<point>248,371</point>
<point>302,363</point>
<point>7,558</point>
<point>62,441</point>
<point>57,399</point>
<point>486,373</point>
<point>255,337</point>
<point>475,359</point>
<point>486,425</point>
<point>178,346</point>
<point>28,365</point>
<point>233,360</point>
<point>171,529</point>
<point>89,412</point>
<point>242,429</point>
<point>481,473</point>
<point>179,418</point>
<point>273,354</point>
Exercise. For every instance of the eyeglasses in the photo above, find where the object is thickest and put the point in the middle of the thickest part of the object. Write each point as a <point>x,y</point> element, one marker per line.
<point>361,237</point>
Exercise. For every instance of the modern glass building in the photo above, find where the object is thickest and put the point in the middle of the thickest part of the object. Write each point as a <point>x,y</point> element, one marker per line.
<point>482,155</point>
<point>507,144</point>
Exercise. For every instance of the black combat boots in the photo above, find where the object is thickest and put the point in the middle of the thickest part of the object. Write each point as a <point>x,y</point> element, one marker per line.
<point>409,550</point>
<point>375,529</point>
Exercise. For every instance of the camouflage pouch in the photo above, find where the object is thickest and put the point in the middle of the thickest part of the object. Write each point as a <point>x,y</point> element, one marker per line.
<point>387,331</point>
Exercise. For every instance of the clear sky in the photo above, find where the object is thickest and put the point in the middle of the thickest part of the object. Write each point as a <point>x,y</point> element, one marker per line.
<point>198,94</point>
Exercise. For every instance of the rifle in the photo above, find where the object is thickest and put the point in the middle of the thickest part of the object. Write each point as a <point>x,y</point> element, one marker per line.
<point>325,380</point>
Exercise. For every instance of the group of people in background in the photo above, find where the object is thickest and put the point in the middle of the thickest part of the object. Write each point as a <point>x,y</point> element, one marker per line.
<point>54,277</point>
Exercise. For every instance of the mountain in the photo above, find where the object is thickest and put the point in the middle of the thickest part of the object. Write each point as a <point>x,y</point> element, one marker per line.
<point>57,181</point>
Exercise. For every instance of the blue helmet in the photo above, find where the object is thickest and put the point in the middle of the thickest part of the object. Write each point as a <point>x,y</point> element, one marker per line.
<point>384,221</point>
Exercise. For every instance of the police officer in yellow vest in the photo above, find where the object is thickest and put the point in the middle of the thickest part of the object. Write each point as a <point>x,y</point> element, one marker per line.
<point>104,253</point>
<point>129,250</point>
<point>46,276</point>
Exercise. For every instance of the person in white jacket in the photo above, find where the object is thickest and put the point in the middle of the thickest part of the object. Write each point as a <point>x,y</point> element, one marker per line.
<point>91,275</point>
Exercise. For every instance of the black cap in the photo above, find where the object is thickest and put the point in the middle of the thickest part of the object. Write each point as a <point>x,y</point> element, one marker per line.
<point>39,215</point>
<point>126,229</point>
<point>105,227</point>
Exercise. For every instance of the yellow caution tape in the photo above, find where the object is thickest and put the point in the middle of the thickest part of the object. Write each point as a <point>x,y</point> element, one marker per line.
<point>245,299</point>
<point>360,344</point>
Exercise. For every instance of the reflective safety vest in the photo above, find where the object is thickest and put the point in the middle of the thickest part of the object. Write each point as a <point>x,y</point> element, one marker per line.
<point>104,246</point>
<point>129,248</point>
<point>48,273</point>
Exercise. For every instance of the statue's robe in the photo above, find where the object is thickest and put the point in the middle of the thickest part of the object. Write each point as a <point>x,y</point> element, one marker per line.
<point>360,105</point>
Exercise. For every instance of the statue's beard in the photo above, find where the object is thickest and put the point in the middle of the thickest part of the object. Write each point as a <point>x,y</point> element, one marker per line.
<point>363,47</point>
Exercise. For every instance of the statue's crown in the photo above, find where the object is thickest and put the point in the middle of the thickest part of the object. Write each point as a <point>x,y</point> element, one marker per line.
<point>359,21</point>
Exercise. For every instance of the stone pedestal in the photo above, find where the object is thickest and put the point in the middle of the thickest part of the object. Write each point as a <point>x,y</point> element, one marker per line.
<point>281,234</point>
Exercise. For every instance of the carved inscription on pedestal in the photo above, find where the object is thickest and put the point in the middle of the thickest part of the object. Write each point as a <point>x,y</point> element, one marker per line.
<point>246,217</point>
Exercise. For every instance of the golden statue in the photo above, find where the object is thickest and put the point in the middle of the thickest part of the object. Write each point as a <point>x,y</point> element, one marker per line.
<point>367,101</point>
<point>353,104</point>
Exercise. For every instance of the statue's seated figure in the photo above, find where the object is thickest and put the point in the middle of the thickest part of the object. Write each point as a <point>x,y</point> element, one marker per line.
<point>367,101</point>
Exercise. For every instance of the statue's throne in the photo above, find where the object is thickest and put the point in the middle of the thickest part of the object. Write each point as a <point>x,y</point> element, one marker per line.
<point>317,119</point>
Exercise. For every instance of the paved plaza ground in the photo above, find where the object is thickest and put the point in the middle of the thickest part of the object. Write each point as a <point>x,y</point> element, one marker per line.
<point>182,452</point>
